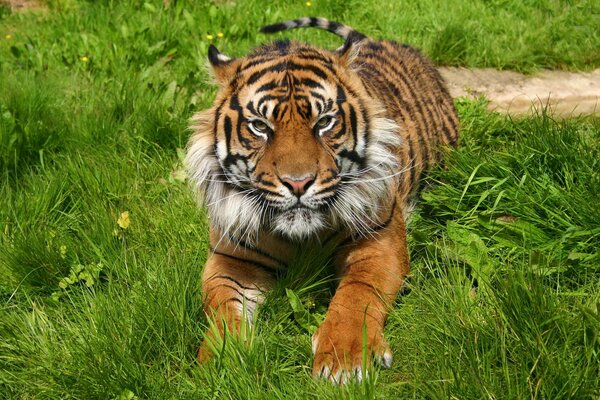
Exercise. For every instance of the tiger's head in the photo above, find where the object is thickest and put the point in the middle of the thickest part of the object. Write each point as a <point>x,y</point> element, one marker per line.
<point>292,144</point>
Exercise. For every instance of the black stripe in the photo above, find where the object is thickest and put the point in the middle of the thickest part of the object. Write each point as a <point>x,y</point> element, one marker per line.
<point>342,120</point>
<point>235,300</point>
<point>233,158</point>
<point>325,189</point>
<point>259,179</point>
<point>311,83</point>
<point>227,130</point>
<point>377,46</point>
<point>274,28</point>
<point>317,95</point>
<point>226,277</point>
<point>332,177</point>
<point>308,112</point>
<point>329,105</point>
<point>229,278</point>
<point>300,97</point>
<point>255,249</point>
<point>319,107</point>
<point>234,102</point>
<point>251,108</point>
<point>348,283</point>
<point>217,116</point>
<point>385,223</point>
<point>353,125</point>
<point>341,94</point>
<point>353,156</point>
<point>275,111</point>
<point>269,269</point>
<point>262,59</point>
<point>410,167</point>
<point>268,97</point>
<point>214,294</point>
<point>314,56</point>
<point>340,132</point>
<point>237,291</point>
<point>284,109</point>
<point>267,86</point>
<point>287,66</point>
<point>267,192</point>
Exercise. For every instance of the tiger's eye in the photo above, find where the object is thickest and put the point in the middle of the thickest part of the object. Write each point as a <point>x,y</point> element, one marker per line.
<point>260,126</point>
<point>323,122</point>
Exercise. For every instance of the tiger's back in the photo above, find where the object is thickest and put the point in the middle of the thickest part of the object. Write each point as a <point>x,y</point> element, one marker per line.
<point>414,95</point>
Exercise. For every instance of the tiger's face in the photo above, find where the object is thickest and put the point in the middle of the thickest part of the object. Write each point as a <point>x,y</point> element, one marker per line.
<point>293,144</point>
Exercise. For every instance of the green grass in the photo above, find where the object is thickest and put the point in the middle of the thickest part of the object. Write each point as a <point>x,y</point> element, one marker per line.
<point>504,298</point>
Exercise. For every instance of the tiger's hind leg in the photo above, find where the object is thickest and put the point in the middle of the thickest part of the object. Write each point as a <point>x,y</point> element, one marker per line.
<point>232,288</point>
<point>372,271</point>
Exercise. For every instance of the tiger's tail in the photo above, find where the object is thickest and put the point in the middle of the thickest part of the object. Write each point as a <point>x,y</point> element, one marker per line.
<point>344,31</point>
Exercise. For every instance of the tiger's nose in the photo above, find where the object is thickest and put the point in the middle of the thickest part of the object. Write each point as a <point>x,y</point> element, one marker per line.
<point>298,185</point>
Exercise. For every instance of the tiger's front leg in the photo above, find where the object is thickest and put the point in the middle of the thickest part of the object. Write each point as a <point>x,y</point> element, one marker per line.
<point>233,285</point>
<point>372,271</point>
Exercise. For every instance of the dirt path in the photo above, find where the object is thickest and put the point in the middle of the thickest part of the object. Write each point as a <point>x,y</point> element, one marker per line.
<point>567,93</point>
<point>21,5</point>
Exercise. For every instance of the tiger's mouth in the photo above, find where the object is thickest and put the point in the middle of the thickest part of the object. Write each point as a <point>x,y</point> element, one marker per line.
<point>299,206</point>
<point>298,222</point>
<point>298,211</point>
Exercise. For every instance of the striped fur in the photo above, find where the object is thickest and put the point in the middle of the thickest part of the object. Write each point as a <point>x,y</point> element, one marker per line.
<point>343,31</point>
<point>304,145</point>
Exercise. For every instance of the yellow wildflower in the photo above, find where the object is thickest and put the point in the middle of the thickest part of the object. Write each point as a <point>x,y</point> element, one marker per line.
<point>8,37</point>
<point>210,37</point>
<point>63,251</point>
<point>308,4</point>
<point>123,220</point>
<point>220,34</point>
<point>84,59</point>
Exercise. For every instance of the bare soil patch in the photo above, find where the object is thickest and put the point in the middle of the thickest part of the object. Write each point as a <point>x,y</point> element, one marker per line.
<point>568,94</point>
<point>21,5</point>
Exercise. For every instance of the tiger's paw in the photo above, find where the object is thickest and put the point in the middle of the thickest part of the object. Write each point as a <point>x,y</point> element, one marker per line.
<point>338,350</point>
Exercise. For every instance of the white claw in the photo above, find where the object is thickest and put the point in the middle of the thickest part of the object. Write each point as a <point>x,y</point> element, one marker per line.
<point>336,378</point>
<point>345,377</point>
<point>342,377</point>
<point>387,359</point>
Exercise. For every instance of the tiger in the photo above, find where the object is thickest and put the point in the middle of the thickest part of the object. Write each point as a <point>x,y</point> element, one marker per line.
<point>305,147</point>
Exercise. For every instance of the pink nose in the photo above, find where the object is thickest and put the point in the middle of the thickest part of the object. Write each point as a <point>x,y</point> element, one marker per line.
<point>298,186</point>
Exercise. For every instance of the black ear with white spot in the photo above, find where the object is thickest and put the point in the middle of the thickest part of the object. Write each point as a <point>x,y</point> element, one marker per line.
<point>215,57</point>
<point>222,65</point>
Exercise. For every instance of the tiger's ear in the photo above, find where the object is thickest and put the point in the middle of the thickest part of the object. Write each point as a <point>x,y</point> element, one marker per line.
<point>348,52</point>
<point>223,66</point>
